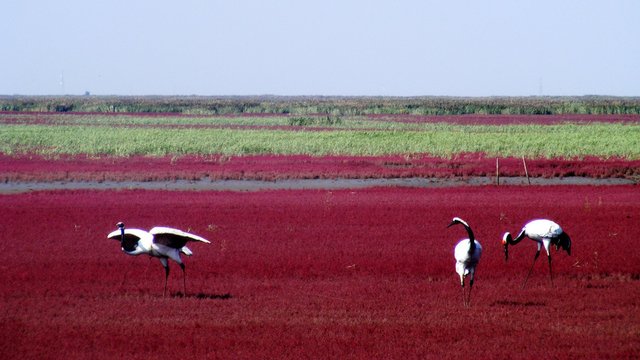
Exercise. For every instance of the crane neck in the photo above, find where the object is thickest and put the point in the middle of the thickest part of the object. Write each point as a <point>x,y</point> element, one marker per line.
<point>511,241</point>
<point>470,232</point>
<point>472,238</point>
<point>122,236</point>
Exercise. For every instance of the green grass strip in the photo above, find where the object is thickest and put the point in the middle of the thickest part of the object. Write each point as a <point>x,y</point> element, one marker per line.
<point>566,141</point>
<point>301,122</point>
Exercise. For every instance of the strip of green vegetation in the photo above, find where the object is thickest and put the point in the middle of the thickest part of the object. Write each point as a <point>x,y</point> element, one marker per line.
<point>300,122</point>
<point>567,141</point>
<point>100,119</point>
<point>303,121</point>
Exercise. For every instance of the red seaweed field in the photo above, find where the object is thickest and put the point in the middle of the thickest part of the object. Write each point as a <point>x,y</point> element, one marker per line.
<point>273,167</point>
<point>365,274</point>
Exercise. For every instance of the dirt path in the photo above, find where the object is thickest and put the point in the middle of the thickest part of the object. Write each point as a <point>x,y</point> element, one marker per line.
<point>297,184</point>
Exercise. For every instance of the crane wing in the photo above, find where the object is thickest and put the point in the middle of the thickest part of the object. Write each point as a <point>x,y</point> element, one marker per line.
<point>173,237</point>
<point>554,231</point>
<point>131,237</point>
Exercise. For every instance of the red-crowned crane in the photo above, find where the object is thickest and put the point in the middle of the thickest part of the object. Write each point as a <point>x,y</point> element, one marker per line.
<point>545,233</point>
<point>467,253</point>
<point>161,242</point>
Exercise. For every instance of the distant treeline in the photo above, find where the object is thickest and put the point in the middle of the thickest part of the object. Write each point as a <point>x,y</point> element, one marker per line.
<point>334,105</point>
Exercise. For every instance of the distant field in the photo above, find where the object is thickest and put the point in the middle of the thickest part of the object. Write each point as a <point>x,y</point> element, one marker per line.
<point>97,134</point>
<point>334,105</point>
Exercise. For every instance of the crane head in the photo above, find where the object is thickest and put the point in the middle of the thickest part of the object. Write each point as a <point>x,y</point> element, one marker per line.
<point>120,225</point>
<point>506,239</point>
<point>457,220</point>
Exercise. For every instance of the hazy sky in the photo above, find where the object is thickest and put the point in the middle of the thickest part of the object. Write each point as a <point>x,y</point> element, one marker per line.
<point>324,47</point>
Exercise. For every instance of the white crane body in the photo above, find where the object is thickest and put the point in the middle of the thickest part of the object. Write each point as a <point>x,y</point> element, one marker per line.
<point>542,231</point>
<point>466,263</point>
<point>467,253</point>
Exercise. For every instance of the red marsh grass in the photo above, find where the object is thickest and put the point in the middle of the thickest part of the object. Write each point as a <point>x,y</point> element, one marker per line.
<point>319,274</point>
<point>273,167</point>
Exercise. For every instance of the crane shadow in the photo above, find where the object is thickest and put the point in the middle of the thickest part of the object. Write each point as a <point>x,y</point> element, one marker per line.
<point>202,296</point>
<point>517,303</point>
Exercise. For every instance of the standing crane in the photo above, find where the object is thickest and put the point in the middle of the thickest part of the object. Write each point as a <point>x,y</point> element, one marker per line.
<point>161,242</point>
<point>467,254</point>
<point>545,233</point>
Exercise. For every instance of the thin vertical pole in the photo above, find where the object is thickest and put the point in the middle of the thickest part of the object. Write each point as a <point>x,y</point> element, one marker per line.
<point>526,172</point>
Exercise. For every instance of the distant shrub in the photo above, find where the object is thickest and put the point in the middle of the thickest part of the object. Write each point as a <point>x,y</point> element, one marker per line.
<point>328,120</point>
<point>333,105</point>
<point>63,107</point>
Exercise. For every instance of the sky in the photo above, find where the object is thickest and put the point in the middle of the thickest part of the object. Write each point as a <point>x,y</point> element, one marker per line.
<point>320,47</point>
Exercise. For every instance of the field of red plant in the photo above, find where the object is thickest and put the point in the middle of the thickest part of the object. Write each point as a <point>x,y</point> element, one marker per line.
<point>273,167</point>
<point>319,274</point>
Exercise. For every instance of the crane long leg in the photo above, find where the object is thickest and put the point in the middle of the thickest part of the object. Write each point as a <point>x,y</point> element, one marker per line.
<point>184,279</point>
<point>166,277</point>
<point>531,268</point>
<point>550,271</point>
<point>470,287</point>
<point>165,263</point>
<point>464,296</point>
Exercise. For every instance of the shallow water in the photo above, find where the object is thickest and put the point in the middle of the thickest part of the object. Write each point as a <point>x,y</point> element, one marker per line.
<point>298,184</point>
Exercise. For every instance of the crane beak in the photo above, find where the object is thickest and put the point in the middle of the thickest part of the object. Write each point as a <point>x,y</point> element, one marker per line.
<point>506,252</point>
<point>505,243</point>
<point>450,225</point>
